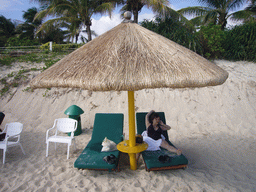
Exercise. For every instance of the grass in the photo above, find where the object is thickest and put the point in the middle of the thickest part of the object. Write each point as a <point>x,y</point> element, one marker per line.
<point>48,58</point>
<point>15,79</point>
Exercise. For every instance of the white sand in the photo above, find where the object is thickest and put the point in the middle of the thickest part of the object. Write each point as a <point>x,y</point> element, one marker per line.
<point>214,126</point>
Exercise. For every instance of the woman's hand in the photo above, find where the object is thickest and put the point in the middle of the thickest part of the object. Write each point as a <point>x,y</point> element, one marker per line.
<point>178,151</point>
<point>163,126</point>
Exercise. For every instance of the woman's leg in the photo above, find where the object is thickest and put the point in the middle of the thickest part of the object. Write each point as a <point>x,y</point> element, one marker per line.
<point>170,148</point>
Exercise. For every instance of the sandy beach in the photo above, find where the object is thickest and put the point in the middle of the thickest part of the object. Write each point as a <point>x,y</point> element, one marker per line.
<point>214,126</point>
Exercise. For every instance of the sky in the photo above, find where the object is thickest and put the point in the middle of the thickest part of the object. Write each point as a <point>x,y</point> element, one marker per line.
<point>14,9</point>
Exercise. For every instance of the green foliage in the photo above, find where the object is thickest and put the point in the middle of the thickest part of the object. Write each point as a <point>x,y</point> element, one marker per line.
<point>6,60</point>
<point>31,57</point>
<point>49,63</point>
<point>175,31</point>
<point>48,58</point>
<point>58,47</point>
<point>7,30</point>
<point>28,89</point>
<point>14,79</point>
<point>16,41</point>
<point>211,38</point>
<point>240,43</point>
<point>4,90</point>
<point>6,87</point>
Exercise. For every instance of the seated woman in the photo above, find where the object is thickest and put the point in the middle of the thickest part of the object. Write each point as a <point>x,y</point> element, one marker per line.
<point>153,136</point>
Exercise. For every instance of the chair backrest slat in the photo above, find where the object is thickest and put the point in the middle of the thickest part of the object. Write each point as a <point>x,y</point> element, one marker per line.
<point>66,125</point>
<point>13,128</point>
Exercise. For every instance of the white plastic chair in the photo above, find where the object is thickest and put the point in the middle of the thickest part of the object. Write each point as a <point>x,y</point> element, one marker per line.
<point>64,125</point>
<point>12,138</point>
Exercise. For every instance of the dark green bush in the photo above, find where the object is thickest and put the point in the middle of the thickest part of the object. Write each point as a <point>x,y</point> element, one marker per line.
<point>175,31</point>
<point>211,38</point>
<point>16,41</point>
<point>240,43</point>
<point>6,60</point>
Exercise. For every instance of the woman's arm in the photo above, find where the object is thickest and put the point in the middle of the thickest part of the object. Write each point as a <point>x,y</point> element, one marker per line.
<point>164,127</point>
<point>147,118</point>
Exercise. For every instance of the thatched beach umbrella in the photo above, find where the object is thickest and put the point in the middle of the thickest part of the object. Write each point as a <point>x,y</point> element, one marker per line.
<point>129,58</point>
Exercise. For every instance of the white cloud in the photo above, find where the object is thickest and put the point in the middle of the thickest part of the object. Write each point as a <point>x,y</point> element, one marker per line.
<point>105,23</point>
<point>148,16</point>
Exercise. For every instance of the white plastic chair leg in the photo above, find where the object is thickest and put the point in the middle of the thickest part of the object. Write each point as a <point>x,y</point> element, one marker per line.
<point>4,156</point>
<point>74,144</point>
<point>68,151</point>
<point>22,149</point>
<point>47,146</point>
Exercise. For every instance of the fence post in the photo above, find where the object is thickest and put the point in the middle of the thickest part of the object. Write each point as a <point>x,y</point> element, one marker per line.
<point>50,45</point>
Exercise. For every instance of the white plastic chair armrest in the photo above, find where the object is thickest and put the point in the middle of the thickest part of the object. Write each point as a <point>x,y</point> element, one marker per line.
<point>13,136</point>
<point>4,131</point>
<point>47,132</point>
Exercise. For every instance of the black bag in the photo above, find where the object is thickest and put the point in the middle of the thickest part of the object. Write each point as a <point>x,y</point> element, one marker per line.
<point>2,136</point>
<point>2,115</point>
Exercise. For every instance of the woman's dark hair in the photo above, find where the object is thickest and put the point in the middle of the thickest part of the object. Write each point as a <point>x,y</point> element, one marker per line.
<point>152,116</point>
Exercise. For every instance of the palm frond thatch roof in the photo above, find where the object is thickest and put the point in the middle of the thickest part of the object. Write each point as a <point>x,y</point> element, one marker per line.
<point>128,58</point>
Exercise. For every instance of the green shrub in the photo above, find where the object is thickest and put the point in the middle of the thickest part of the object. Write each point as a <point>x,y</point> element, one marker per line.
<point>6,60</point>
<point>175,31</point>
<point>240,43</point>
<point>211,38</point>
<point>16,41</point>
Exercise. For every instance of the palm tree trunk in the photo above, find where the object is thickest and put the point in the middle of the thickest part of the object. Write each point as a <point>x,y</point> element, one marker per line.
<point>77,35</point>
<point>89,32</point>
<point>223,20</point>
<point>136,12</point>
<point>135,15</point>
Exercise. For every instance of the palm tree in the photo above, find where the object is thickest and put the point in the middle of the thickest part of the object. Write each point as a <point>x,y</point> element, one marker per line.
<point>135,6</point>
<point>7,30</point>
<point>252,6</point>
<point>78,12</point>
<point>53,32</point>
<point>217,11</point>
<point>28,28</point>
<point>248,14</point>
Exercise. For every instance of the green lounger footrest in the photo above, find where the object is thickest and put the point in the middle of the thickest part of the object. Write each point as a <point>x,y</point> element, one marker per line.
<point>151,158</point>
<point>108,125</point>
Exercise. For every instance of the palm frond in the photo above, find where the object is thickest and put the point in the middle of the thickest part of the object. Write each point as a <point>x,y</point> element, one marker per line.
<point>197,21</point>
<point>243,15</point>
<point>211,17</point>
<point>235,4</point>
<point>195,11</point>
<point>105,8</point>
<point>52,22</point>
<point>157,6</point>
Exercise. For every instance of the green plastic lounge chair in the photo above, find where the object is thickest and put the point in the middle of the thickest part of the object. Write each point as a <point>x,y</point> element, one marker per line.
<point>108,125</point>
<point>151,158</point>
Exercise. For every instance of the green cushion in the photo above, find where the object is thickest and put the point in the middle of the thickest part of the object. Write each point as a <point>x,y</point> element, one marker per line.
<point>151,157</point>
<point>108,125</point>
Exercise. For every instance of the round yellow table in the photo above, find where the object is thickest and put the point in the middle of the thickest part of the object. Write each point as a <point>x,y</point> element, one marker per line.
<point>125,148</point>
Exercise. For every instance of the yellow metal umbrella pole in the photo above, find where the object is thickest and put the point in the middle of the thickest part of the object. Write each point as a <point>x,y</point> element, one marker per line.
<point>132,139</point>
<point>130,146</point>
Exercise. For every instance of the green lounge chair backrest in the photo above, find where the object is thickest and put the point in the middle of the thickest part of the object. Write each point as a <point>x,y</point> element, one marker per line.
<point>107,125</point>
<point>140,118</point>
